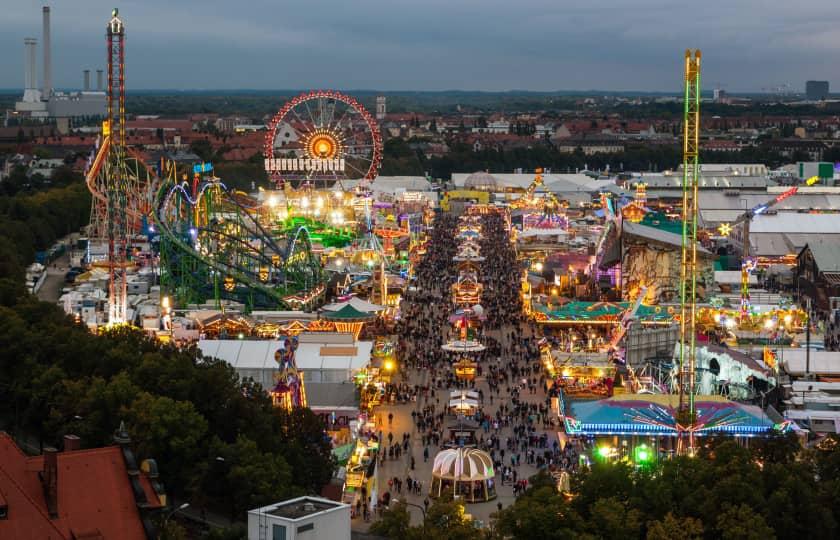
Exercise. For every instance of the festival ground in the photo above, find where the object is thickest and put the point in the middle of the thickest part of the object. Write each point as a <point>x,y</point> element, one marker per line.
<point>403,423</point>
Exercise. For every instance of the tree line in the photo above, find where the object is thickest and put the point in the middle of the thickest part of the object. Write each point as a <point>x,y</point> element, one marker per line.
<point>400,159</point>
<point>219,442</point>
<point>33,215</point>
<point>774,489</point>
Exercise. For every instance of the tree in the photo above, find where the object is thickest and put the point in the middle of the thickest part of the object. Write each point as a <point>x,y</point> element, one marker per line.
<point>168,430</point>
<point>203,149</point>
<point>305,445</point>
<point>611,518</point>
<point>671,526</point>
<point>395,522</point>
<point>541,512</point>
<point>251,477</point>
<point>445,519</point>
<point>742,523</point>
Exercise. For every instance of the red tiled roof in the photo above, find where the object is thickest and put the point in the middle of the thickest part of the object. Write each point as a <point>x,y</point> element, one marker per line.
<point>95,498</point>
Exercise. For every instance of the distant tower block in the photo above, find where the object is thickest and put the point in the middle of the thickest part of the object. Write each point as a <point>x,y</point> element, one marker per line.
<point>380,107</point>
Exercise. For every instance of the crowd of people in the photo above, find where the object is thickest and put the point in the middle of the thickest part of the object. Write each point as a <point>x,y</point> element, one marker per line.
<point>512,422</point>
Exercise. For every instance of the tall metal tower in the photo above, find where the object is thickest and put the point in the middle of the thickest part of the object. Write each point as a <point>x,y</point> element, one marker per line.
<point>116,174</point>
<point>688,274</point>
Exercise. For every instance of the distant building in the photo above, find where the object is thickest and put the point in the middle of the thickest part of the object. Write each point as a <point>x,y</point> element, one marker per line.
<point>48,103</point>
<point>380,108</point>
<point>591,146</point>
<point>301,518</point>
<point>816,90</point>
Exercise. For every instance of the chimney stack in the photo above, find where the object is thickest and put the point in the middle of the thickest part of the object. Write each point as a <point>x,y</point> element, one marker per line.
<point>49,480</point>
<point>47,92</point>
<point>72,443</point>
<point>87,80</point>
<point>30,90</point>
<point>99,80</point>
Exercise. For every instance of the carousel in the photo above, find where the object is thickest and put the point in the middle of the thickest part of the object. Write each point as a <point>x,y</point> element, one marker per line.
<point>467,472</point>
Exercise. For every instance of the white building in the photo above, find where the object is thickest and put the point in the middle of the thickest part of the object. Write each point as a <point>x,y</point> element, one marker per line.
<point>304,518</point>
<point>327,357</point>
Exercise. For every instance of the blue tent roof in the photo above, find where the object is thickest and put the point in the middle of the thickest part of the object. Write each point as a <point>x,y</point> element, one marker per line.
<point>648,414</point>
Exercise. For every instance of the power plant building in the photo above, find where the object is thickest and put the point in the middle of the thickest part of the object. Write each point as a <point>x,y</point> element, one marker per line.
<point>47,102</point>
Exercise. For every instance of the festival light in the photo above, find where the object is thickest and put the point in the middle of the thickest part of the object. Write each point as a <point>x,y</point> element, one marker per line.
<point>725,229</point>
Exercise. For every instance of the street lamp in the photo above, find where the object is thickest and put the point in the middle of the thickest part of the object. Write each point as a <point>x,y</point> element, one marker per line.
<point>422,509</point>
<point>173,512</point>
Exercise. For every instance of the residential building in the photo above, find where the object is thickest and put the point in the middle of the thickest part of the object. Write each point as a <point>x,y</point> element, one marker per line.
<point>303,518</point>
<point>75,494</point>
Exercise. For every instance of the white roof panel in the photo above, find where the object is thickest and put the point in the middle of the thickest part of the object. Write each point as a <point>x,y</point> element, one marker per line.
<point>790,222</point>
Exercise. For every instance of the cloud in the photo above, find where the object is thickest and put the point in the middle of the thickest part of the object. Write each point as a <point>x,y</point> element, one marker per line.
<point>436,44</point>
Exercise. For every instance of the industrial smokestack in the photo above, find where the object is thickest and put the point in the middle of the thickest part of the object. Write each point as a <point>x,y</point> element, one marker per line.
<point>29,63</point>
<point>47,60</point>
<point>99,80</point>
<point>30,90</point>
<point>87,80</point>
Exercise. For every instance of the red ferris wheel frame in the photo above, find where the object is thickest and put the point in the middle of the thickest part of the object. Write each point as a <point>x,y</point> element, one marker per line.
<point>370,121</point>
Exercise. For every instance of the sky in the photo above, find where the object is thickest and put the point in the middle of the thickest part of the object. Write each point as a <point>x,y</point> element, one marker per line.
<point>493,45</point>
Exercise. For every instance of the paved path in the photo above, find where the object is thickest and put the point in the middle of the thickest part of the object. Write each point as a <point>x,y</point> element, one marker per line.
<point>50,291</point>
<point>402,423</point>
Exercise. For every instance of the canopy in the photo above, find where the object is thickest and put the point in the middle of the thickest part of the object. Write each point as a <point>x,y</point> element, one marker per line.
<point>463,404</point>
<point>348,314</point>
<point>357,303</point>
<point>463,464</point>
<point>655,414</point>
<point>602,311</point>
<point>463,394</point>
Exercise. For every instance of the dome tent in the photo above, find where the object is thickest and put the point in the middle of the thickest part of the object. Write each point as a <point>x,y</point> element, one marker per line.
<point>482,181</point>
<point>467,472</point>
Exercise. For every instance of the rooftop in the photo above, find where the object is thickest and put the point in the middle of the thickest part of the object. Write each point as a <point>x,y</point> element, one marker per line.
<point>299,508</point>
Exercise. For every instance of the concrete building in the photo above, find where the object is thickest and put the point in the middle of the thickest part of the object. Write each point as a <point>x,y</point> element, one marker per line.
<point>303,518</point>
<point>816,90</point>
<point>380,108</point>
<point>47,103</point>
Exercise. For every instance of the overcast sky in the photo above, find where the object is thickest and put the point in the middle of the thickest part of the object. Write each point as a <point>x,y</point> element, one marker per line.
<point>748,45</point>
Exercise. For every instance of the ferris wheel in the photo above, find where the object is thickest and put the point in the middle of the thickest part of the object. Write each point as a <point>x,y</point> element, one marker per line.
<point>322,136</point>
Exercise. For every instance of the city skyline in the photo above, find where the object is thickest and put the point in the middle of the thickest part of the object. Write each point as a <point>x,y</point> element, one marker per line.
<point>490,46</point>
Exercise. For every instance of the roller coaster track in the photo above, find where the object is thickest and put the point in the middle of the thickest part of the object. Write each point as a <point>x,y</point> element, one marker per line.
<point>92,177</point>
<point>167,192</point>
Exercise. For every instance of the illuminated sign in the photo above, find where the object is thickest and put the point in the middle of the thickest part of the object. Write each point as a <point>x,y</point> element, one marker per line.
<point>202,168</point>
<point>304,165</point>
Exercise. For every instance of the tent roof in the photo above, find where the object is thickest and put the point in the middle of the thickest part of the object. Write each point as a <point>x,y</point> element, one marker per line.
<point>348,313</point>
<point>357,303</point>
<point>591,311</point>
<point>655,414</point>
